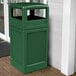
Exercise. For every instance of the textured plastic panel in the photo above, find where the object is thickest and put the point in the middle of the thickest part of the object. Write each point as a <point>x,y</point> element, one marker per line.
<point>36,42</point>
<point>29,49</point>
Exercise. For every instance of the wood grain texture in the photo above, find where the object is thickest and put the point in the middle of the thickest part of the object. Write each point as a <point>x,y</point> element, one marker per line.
<point>6,69</point>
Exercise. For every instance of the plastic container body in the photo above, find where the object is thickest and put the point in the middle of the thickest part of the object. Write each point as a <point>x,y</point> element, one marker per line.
<point>29,37</point>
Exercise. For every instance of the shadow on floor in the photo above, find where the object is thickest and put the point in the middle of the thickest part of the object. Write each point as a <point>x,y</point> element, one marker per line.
<point>4,48</point>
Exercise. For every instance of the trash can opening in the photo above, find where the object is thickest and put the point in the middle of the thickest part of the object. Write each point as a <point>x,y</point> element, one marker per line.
<point>32,14</point>
<point>36,14</point>
<point>17,13</point>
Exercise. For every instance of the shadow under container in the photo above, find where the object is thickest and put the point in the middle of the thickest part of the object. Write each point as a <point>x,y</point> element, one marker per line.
<point>28,36</point>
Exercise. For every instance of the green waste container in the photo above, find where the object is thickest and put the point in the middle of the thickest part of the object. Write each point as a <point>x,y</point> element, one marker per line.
<point>28,36</point>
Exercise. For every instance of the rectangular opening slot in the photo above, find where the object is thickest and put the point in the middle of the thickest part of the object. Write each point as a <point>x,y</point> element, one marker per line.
<point>17,13</point>
<point>36,14</point>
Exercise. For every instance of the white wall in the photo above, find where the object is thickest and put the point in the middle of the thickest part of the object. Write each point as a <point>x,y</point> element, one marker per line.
<point>56,14</point>
<point>75,34</point>
<point>68,37</point>
<point>73,25</point>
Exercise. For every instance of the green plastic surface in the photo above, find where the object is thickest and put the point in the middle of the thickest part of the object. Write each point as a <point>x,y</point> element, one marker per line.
<point>29,39</point>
